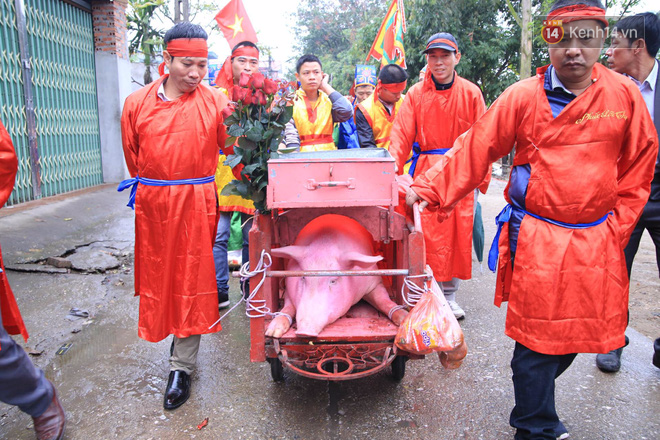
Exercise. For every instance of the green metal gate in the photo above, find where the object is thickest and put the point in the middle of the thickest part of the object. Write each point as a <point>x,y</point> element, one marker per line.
<point>60,96</point>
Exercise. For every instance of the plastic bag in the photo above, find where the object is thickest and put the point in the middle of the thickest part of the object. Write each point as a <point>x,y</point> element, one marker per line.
<point>431,327</point>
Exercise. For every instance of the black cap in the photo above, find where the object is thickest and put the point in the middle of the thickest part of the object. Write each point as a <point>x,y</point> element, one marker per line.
<point>442,40</point>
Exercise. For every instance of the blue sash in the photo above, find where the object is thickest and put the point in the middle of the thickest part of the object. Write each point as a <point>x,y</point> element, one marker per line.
<point>417,150</point>
<point>504,216</point>
<point>155,182</point>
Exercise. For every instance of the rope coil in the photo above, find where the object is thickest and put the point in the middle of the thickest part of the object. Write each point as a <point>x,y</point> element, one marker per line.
<point>254,308</point>
<point>414,291</point>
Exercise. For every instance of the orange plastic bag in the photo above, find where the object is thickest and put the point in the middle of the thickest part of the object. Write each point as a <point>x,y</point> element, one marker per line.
<point>431,327</point>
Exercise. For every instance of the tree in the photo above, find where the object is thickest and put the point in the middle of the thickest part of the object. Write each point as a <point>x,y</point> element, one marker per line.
<point>334,31</point>
<point>147,39</point>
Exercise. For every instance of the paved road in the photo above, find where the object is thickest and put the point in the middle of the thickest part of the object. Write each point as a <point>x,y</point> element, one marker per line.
<point>111,382</point>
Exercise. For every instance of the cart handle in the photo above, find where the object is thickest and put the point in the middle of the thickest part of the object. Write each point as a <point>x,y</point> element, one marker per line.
<point>417,217</point>
<point>312,184</point>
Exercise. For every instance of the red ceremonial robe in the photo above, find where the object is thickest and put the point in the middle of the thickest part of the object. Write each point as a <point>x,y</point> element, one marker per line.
<point>174,225</point>
<point>11,316</point>
<point>568,288</point>
<point>434,119</point>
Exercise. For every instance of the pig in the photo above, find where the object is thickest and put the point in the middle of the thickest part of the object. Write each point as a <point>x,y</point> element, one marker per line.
<point>329,242</point>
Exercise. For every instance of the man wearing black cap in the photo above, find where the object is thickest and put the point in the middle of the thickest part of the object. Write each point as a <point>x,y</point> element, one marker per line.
<point>434,113</point>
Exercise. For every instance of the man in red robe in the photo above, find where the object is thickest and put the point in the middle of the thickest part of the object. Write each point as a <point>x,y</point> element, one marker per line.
<point>172,132</point>
<point>433,114</point>
<point>21,383</point>
<point>584,158</point>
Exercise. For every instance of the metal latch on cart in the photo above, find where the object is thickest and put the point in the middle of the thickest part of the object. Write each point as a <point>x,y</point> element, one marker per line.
<point>312,184</point>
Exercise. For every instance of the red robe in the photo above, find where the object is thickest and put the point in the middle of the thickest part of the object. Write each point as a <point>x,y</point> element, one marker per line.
<point>434,119</point>
<point>568,290</point>
<point>11,316</point>
<point>174,225</point>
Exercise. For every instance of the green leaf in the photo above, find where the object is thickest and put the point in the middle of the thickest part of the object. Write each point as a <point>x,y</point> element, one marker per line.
<point>235,131</point>
<point>231,120</point>
<point>233,160</point>
<point>230,189</point>
<point>247,143</point>
<point>250,169</point>
<point>242,188</point>
<point>262,185</point>
<point>259,196</point>
<point>287,150</point>
<point>275,143</point>
<point>255,133</point>
<point>231,140</point>
<point>286,115</point>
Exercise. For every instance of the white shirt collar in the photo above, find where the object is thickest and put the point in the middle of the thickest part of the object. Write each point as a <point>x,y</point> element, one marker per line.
<point>161,92</point>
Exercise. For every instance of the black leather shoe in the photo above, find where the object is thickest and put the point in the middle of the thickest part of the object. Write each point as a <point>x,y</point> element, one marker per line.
<point>178,389</point>
<point>656,353</point>
<point>610,362</point>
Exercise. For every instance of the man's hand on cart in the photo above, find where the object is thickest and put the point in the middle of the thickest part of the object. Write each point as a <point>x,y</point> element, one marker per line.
<point>412,197</point>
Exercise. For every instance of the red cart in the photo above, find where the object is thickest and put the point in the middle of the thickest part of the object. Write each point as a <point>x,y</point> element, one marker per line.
<point>359,184</point>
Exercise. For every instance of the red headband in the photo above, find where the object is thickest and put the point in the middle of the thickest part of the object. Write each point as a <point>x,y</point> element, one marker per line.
<point>394,88</point>
<point>442,40</point>
<point>578,12</point>
<point>185,47</point>
<point>246,51</point>
<point>188,47</point>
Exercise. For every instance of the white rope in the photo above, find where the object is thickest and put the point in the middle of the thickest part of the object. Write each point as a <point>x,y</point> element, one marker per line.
<point>394,309</point>
<point>252,309</point>
<point>414,291</point>
<point>255,308</point>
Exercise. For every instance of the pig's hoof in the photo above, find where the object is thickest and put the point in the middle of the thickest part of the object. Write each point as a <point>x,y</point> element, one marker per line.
<point>278,326</point>
<point>399,316</point>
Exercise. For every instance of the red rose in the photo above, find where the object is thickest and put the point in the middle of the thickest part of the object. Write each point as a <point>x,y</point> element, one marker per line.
<point>241,94</point>
<point>260,97</point>
<point>227,111</point>
<point>257,80</point>
<point>245,79</point>
<point>247,99</point>
<point>270,87</point>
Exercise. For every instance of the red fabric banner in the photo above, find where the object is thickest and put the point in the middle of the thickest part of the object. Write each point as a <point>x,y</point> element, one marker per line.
<point>235,24</point>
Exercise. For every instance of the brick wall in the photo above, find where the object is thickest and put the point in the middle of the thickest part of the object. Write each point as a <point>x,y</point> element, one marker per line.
<point>109,20</point>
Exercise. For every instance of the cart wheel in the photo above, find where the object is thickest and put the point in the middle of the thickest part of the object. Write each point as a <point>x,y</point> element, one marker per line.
<point>399,367</point>
<point>276,369</point>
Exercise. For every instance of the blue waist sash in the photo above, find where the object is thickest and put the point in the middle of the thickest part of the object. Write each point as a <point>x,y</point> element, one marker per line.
<point>155,182</point>
<point>417,151</point>
<point>504,216</point>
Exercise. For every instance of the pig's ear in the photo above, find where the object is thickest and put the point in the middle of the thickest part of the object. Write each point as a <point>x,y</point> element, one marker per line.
<point>290,252</point>
<point>360,260</point>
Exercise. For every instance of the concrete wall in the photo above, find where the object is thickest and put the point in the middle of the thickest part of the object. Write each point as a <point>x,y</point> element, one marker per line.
<point>113,82</point>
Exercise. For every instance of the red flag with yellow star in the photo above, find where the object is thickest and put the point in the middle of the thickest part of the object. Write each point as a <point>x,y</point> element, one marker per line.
<point>235,24</point>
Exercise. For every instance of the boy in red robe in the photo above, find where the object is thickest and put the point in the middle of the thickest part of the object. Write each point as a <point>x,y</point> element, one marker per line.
<point>172,132</point>
<point>434,113</point>
<point>21,383</point>
<point>583,164</point>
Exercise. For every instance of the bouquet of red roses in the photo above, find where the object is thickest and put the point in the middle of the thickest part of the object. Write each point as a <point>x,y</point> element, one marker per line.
<point>259,109</point>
